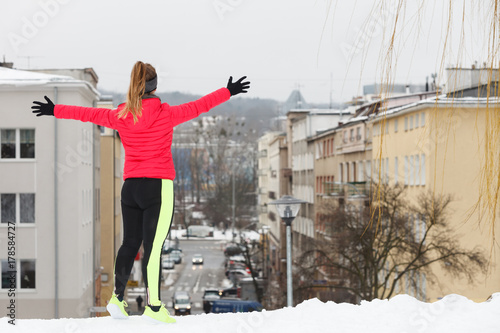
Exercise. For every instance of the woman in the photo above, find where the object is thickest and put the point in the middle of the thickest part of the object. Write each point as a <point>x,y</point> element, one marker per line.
<point>147,198</point>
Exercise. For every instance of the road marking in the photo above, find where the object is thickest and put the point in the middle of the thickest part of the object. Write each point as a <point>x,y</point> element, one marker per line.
<point>195,289</point>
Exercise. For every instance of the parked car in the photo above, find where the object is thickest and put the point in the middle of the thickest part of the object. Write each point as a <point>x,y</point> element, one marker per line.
<point>231,292</point>
<point>236,274</point>
<point>210,295</point>
<point>232,249</point>
<point>197,259</point>
<point>181,302</point>
<point>167,250</point>
<point>176,256</point>
<point>167,263</point>
<point>234,305</point>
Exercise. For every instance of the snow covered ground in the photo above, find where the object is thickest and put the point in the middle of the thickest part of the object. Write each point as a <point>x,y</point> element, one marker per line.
<point>452,314</point>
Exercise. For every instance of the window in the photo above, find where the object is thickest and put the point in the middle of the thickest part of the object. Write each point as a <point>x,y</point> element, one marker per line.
<point>422,119</point>
<point>411,123</point>
<point>406,170</point>
<point>412,173</point>
<point>406,123</point>
<point>416,121</point>
<point>352,135</point>
<point>8,140</point>
<point>395,125</point>
<point>28,274</point>
<point>17,208</point>
<point>387,170</point>
<point>417,170</point>
<point>319,150</point>
<point>27,142</point>
<point>17,143</point>
<point>422,169</point>
<point>396,169</point>
<point>8,207</point>
<point>358,133</point>
<point>21,272</point>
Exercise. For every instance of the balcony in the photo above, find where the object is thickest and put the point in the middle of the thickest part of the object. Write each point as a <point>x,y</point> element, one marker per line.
<point>350,189</point>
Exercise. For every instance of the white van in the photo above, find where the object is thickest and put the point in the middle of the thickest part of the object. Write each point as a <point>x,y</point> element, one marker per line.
<point>181,302</point>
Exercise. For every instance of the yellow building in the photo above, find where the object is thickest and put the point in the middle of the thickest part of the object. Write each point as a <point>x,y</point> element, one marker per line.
<point>111,181</point>
<point>439,146</point>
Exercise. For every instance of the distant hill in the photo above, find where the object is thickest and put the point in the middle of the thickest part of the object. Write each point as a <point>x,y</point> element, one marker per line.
<point>258,113</point>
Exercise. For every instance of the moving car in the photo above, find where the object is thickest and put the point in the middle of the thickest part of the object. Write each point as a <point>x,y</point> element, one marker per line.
<point>197,259</point>
<point>181,302</point>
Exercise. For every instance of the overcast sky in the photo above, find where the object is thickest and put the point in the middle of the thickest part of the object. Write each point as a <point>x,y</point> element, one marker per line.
<point>327,48</point>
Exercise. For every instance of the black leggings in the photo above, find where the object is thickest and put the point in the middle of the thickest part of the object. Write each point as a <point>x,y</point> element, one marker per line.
<point>147,210</point>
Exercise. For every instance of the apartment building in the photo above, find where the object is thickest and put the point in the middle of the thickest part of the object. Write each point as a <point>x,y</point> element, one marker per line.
<point>111,167</point>
<point>49,185</point>
<point>438,146</point>
<point>274,182</point>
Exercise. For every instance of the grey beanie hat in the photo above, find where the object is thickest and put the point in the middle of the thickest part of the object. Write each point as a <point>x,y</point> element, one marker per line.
<point>151,85</point>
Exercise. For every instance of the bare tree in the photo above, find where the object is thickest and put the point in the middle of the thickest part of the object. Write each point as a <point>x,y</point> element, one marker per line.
<point>378,251</point>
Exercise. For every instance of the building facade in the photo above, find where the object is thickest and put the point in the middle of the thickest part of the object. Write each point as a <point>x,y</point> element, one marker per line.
<point>49,182</point>
<point>438,146</point>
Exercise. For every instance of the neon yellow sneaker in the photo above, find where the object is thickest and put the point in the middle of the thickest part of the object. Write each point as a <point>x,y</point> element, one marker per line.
<point>116,308</point>
<point>162,316</point>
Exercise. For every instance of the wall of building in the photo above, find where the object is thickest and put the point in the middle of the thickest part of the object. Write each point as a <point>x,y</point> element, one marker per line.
<point>71,176</point>
<point>437,150</point>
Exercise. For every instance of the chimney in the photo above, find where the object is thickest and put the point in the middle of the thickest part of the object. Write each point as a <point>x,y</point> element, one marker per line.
<point>6,64</point>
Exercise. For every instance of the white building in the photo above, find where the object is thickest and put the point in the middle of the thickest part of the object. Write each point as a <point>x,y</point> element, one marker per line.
<point>303,124</point>
<point>49,191</point>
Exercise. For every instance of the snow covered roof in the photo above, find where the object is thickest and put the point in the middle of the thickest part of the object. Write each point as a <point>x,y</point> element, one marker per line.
<point>15,77</point>
<point>439,101</point>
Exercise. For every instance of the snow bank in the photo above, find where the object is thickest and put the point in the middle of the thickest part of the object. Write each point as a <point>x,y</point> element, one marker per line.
<point>401,314</point>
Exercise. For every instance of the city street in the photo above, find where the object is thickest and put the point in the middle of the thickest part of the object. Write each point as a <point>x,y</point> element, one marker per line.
<point>195,278</point>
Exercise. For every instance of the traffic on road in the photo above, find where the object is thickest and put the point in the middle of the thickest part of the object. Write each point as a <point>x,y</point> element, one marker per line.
<point>199,276</point>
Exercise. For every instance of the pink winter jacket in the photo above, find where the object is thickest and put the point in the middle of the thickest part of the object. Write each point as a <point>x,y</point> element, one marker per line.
<point>147,143</point>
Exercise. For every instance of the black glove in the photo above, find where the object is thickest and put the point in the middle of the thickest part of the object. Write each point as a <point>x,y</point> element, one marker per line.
<point>238,86</point>
<point>43,109</point>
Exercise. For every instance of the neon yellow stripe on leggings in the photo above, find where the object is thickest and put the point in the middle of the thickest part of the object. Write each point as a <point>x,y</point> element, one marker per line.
<point>164,220</point>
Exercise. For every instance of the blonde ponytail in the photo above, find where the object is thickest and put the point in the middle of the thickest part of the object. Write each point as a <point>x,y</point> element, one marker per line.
<point>141,72</point>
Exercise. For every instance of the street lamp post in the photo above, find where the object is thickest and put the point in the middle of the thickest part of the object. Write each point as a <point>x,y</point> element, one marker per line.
<point>288,208</point>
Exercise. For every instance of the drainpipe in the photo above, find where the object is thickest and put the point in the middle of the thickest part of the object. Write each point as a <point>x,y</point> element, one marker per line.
<point>94,213</point>
<point>56,217</point>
